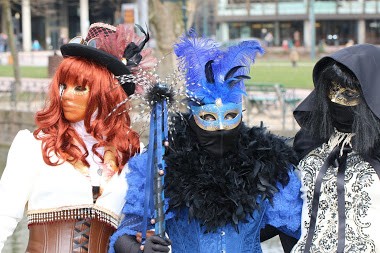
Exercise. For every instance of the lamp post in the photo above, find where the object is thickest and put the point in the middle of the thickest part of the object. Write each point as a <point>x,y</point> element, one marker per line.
<point>312,29</point>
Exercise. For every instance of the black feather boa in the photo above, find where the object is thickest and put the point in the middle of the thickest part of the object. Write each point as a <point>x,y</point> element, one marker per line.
<point>219,191</point>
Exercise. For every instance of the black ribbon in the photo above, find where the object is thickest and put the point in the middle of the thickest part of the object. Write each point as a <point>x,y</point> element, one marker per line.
<point>341,202</point>
<point>336,160</point>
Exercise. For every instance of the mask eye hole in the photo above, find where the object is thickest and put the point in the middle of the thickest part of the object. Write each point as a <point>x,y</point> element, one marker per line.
<point>208,117</point>
<point>351,94</point>
<point>80,88</point>
<point>230,115</point>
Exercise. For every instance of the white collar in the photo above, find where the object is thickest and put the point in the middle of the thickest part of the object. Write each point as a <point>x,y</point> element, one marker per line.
<point>340,137</point>
<point>94,161</point>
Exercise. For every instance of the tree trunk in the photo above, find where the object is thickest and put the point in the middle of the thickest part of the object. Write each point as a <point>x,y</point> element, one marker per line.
<point>12,46</point>
<point>166,22</point>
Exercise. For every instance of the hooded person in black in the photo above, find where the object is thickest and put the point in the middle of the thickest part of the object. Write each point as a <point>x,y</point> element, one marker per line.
<point>338,145</point>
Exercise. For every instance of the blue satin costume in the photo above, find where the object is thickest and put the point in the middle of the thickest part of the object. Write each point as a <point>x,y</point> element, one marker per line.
<point>188,236</point>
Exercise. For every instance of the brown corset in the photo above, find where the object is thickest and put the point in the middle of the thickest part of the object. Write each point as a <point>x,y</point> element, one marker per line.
<point>70,236</point>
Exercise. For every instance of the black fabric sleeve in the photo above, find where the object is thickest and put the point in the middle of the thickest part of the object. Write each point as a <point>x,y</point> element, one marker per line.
<point>304,142</point>
<point>268,232</point>
<point>287,241</point>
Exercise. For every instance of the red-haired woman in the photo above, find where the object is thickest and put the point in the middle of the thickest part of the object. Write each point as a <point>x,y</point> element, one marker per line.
<point>71,170</point>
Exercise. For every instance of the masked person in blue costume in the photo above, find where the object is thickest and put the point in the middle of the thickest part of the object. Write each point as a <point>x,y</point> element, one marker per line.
<point>224,181</point>
<point>339,144</point>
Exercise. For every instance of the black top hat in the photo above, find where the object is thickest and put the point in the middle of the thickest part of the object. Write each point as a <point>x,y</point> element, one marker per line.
<point>110,46</point>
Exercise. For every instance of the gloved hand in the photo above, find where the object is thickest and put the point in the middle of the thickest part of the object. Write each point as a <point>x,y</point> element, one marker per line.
<point>156,244</point>
<point>153,244</point>
<point>127,244</point>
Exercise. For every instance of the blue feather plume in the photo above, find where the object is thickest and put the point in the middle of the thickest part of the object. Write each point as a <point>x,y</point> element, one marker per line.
<point>243,54</point>
<point>228,82</point>
<point>193,54</point>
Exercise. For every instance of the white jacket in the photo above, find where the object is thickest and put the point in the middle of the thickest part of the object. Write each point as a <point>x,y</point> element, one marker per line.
<point>27,179</point>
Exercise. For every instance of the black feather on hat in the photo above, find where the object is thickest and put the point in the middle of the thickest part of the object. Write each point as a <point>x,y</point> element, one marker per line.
<point>119,49</point>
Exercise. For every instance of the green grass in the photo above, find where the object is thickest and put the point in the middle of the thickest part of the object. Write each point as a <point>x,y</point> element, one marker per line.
<point>25,71</point>
<point>283,73</point>
<point>264,71</point>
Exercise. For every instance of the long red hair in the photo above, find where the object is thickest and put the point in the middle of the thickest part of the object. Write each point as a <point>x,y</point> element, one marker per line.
<point>111,131</point>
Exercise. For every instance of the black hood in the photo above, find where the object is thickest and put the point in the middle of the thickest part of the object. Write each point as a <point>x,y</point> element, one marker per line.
<point>364,61</point>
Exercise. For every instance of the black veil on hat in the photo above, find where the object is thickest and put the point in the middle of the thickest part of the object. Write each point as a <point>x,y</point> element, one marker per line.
<point>119,49</point>
<point>363,61</point>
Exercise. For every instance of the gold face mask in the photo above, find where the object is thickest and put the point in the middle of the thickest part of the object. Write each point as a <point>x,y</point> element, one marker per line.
<point>343,96</point>
<point>74,100</point>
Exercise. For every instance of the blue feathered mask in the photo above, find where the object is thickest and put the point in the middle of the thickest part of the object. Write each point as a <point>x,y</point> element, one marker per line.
<point>212,72</point>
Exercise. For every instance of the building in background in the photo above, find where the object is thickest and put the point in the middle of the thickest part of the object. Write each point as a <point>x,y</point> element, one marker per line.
<point>276,22</point>
<point>337,22</point>
<point>54,21</point>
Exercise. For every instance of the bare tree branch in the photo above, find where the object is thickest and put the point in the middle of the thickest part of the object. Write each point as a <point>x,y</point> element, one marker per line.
<point>14,53</point>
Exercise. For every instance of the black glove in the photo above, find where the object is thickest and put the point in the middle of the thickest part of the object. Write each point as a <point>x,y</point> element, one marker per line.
<point>127,244</point>
<point>153,244</point>
<point>156,244</point>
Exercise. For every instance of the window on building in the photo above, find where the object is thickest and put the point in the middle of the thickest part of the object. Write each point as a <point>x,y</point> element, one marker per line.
<point>336,32</point>
<point>373,31</point>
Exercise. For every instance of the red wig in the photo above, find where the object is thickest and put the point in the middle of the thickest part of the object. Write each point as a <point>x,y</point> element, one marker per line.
<point>112,132</point>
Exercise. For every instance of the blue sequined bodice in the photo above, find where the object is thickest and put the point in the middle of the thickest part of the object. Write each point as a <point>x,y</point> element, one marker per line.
<point>190,237</point>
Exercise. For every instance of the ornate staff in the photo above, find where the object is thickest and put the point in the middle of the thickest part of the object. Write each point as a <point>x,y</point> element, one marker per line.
<point>159,96</point>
